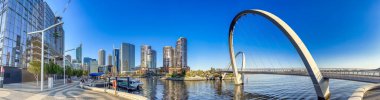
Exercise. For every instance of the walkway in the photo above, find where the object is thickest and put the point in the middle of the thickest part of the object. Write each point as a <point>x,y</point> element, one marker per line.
<point>71,91</point>
<point>360,75</point>
<point>372,95</point>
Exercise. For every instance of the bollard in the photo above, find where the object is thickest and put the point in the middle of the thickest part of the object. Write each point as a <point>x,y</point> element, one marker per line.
<point>127,81</point>
<point>2,76</point>
<point>117,84</point>
<point>109,81</point>
<point>1,80</point>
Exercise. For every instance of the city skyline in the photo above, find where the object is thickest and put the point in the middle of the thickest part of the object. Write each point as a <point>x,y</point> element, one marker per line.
<point>177,56</point>
<point>189,49</point>
<point>349,31</point>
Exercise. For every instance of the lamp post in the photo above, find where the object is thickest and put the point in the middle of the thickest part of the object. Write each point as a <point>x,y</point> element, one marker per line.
<point>42,50</point>
<point>64,65</point>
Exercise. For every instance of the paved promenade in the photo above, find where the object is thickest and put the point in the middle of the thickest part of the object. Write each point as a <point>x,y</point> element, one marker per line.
<point>70,91</point>
<point>372,95</point>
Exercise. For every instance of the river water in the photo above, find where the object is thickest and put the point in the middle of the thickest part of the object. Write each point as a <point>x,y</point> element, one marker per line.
<point>256,86</point>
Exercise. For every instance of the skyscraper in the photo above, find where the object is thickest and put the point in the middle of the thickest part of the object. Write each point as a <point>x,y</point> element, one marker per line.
<point>168,57</point>
<point>79,53</point>
<point>181,53</point>
<point>109,60</point>
<point>102,57</point>
<point>116,59</point>
<point>68,59</point>
<point>59,37</point>
<point>148,58</point>
<point>127,56</point>
<point>145,56</point>
<point>86,63</point>
<point>18,17</point>
<point>93,66</point>
<point>154,59</point>
<point>54,38</point>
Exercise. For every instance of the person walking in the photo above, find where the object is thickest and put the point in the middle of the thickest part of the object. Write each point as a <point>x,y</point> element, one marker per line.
<point>81,84</point>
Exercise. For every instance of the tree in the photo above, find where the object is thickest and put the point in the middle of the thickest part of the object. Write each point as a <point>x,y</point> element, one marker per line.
<point>35,69</point>
<point>76,72</point>
<point>48,68</point>
<point>60,71</point>
<point>52,69</point>
<point>69,71</point>
<point>79,73</point>
<point>85,72</point>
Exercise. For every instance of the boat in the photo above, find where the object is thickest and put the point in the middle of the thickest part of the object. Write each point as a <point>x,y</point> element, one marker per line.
<point>129,83</point>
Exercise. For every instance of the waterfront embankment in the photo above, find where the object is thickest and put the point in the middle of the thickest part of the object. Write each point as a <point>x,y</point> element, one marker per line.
<point>117,93</point>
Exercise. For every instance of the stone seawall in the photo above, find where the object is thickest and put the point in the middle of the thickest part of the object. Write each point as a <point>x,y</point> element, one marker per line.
<point>118,93</point>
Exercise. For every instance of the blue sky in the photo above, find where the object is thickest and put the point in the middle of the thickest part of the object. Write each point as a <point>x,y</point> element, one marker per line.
<point>340,33</point>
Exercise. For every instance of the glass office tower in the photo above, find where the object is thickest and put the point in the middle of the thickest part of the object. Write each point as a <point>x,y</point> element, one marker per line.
<point>127,56</point>
<point>17,48</point>
<point>116,59</point>
<point>17,18</point>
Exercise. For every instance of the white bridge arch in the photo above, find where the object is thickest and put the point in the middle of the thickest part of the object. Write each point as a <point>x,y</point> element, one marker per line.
<point>321,84</point>
<point>242,64</point>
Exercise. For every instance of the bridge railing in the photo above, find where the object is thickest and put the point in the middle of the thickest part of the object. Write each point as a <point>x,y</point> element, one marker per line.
<point>325,71</point>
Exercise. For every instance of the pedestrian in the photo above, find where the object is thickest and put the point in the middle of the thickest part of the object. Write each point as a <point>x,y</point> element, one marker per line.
<point>81,83</point>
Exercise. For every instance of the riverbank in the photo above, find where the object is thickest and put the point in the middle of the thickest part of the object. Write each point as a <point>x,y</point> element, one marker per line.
<point>185,78</point>
<point>118,93</point>
<point>193,78</point>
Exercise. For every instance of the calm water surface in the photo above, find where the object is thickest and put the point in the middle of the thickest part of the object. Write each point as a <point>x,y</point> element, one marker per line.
<point>257,86</point>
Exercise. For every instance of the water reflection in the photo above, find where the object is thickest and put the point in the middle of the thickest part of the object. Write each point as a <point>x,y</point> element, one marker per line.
<point>151,84</point>
<point>259,86</point>
<point>218,87</point>
<point>175,90</point>
<point>239,92</point>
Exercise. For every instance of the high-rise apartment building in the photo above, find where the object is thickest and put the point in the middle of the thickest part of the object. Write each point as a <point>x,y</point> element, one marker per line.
<point>145,56</point>
<point>181,53</point>
<point>127,56</point>
<point>168,57</point>
<point>148,57</point>
<point>116,59</point>
<point>101,57</point>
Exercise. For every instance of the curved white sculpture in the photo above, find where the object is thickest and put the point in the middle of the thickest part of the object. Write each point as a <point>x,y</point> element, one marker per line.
<point>321,84</point>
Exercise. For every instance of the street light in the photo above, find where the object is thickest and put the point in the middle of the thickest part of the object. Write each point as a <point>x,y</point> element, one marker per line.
<point>64,65</point>
<point>42,51</point>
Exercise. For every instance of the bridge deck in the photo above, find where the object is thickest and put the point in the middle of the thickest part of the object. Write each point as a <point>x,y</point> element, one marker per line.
<point>346,74</point>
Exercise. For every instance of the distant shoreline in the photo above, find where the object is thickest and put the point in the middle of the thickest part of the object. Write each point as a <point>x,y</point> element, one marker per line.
<point>192,78</point>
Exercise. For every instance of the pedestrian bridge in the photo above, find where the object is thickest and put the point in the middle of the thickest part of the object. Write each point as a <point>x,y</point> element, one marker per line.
<point>318,78</point>
<point>354,74</point>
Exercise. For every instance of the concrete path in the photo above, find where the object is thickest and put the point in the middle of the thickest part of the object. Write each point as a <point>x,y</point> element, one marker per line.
<point>71,91</point>
<point>372,95</point>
